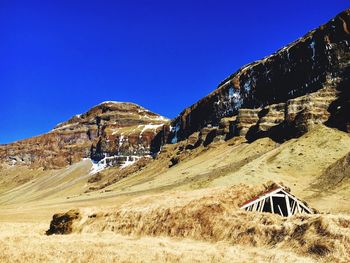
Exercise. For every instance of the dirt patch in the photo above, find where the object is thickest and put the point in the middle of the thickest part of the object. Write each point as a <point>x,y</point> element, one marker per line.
<point>95,178</point>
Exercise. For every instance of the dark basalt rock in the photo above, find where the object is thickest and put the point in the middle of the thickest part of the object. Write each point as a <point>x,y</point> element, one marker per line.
<point>159,140</point>
<point>319,59</point>
<point>63,223</point>
<point>340,108</point>
<point>174,161</point>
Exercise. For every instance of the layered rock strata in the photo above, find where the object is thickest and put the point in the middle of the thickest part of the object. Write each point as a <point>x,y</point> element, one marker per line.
<point>297,84</point>
<point>111,133</point>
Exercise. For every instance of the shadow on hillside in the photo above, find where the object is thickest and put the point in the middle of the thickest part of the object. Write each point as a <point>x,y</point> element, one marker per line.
<point>340,108</point>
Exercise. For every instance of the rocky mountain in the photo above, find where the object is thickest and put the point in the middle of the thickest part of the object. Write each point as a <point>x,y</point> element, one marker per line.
<point>282,95</point>
<point>111,133</point>
<point>227,148</point>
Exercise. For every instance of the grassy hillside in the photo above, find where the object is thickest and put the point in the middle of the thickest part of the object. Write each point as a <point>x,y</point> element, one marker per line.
<point>204,189</point>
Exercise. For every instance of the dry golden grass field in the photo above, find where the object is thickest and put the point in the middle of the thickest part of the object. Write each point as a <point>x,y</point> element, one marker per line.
<point>186,213</point>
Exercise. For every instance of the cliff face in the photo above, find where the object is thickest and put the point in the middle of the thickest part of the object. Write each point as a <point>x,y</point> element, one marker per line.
<point>111,133</point>
<point>294,88</point>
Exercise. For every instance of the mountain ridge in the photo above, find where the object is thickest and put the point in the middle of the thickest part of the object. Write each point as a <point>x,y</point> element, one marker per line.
<point>297,69</point>
<point>281,96</point>
<point>129,125</point>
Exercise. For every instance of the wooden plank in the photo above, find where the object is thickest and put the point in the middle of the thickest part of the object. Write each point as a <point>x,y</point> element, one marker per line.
<point>278,195</point>
<point>279,208</point>
<point>257,206</point>
<point>262,206</point>
<point>297,204</point>
<point>306,208</point>
<point>298,207</point>
<point>300,204</point>
<point>294,207</point>
<point>262,197</point>
<point>254,207</point>
<point>271,202</point>
<point>288,205</point>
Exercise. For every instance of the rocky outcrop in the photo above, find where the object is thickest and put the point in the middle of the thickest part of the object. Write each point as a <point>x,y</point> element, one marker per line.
<point>63,223</point>
<point>297,86</point>
<point>111,133</point>
<point>297,116</point>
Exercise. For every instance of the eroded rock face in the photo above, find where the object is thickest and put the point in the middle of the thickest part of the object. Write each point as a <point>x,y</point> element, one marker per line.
<point>113,132</point>
<point>274,91</point>
<point>296,116</point>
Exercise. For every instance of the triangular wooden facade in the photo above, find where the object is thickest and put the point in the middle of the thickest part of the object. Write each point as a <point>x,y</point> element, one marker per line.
<point>277,201</point>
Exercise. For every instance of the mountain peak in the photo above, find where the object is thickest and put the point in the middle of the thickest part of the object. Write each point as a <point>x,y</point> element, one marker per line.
<point>121,131</point>
<point>122,113</point>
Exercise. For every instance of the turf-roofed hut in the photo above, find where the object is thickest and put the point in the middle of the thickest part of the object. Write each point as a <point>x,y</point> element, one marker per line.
<point>277,200</point>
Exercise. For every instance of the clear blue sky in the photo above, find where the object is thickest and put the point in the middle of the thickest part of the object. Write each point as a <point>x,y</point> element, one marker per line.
<point>59,58</point>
